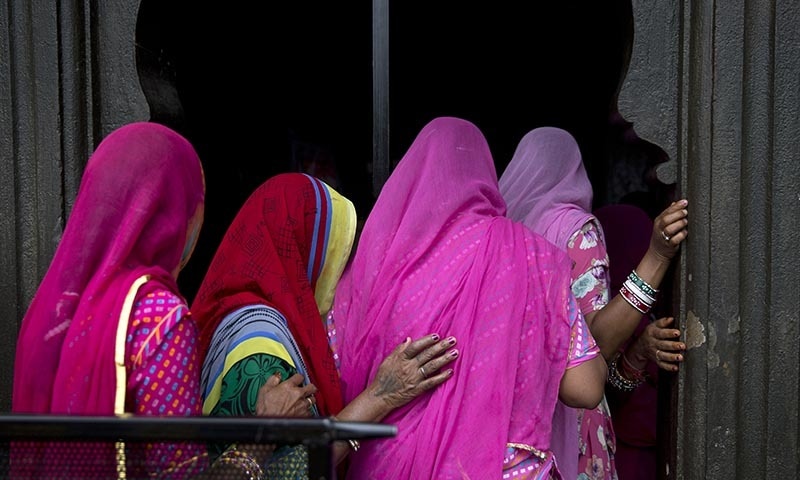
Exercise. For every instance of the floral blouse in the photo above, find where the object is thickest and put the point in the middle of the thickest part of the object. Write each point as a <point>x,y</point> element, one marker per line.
<point>590,285</point>
<point>589,268</point>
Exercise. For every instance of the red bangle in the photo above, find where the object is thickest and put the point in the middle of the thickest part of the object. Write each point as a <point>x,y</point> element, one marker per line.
<point>633,300</point>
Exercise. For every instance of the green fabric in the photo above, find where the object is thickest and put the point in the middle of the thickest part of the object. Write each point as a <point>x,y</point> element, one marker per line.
<point>239,392</point>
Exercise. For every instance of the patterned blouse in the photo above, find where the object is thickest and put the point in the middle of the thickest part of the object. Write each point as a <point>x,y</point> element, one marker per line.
<point>590,284</point>
<point>589,268</point>
<point>163,372</point>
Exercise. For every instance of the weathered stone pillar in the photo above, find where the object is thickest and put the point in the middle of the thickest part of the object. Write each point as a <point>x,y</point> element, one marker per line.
<point>717,86</point>
<point>67,78</point>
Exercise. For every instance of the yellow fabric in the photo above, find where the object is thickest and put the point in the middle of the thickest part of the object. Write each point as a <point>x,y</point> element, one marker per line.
<point>251,346</point>
<point>119,348</point>
<point>337,253</point>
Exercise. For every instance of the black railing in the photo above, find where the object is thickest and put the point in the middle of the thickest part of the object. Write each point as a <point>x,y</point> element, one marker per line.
<point>317,435</point>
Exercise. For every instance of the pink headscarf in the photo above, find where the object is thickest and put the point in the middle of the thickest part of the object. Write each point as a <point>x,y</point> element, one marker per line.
<point>138,192</point>
<point>438,255</point>
<point>546,187</point>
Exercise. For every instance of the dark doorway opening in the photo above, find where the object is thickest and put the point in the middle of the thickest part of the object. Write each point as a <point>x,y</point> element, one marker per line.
<point>263,88</point>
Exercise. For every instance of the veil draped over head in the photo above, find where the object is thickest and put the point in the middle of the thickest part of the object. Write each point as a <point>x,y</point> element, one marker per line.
<point>438,255</point>
<point>546,187</point>
<point>140,189</point>
<point>285,249</point>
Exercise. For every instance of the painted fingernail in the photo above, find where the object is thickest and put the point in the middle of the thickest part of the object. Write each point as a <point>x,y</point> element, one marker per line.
<point>676,334</point>
<point>454,353</point>
<point>435,337</point>
<point>684,202</point>
<point>450,341</point>
<point>449,372</point>
<point>680,358</point>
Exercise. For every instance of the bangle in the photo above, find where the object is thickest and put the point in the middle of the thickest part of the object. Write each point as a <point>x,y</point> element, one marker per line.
<point>633,300</point>
<point>618,381</point>
<point>244,461</point>
<point>636,290</point>
<point>354,444</point>
<point>646,287</point>
<point>628,370</point>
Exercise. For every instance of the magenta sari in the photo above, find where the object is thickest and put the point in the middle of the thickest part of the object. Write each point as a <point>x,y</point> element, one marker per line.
<point>437,254</point>
<point>138,193</point>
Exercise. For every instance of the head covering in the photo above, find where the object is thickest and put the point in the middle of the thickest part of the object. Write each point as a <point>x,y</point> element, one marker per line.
<point>286,249</point>
<point>546,187</point>
<point>138,193</point>
<point>438,255</point>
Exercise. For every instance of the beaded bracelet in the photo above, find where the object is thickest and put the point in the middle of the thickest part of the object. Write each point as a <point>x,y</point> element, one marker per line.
<point>244,461</point>
<point>617,380</point>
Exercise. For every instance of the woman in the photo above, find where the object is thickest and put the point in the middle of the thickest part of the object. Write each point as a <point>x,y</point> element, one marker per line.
<point>261,310</point>
<point>547,189</point>
<point>108,331</point>
<point>438,254</point>
<point>633,403</point>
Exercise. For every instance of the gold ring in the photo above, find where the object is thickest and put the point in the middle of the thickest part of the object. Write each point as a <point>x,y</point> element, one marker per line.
<point>310,403</point>
<point>422,371</point>
<point>665,236</point>
<point>658,352</point>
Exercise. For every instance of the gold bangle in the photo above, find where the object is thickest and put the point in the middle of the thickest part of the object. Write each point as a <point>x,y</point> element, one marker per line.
<point>244,461</point>
<point>354,444</point>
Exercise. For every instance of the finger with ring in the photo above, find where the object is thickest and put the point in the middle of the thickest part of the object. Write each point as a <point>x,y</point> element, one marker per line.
<point>665,236</point>
<point>310,403</point>
<point>658,353</point>
<point>422,371</point>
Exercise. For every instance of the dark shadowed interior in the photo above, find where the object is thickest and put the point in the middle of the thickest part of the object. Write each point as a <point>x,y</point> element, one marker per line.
<point>262,88</point>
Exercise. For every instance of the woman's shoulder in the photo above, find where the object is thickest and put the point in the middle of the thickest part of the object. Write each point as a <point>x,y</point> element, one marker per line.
<point>158,295</point>
<point>589,236</point>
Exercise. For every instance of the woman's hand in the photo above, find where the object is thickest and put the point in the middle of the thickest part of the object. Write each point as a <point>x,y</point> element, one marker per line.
<point>413,368</point>
<point>285,399</point>
<point>658,343</point>
<point>669,230</point>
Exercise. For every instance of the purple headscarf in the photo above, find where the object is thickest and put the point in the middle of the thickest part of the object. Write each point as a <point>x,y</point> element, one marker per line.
<point>546,188</point>
<point>138,193</point>
<point>437,254</point>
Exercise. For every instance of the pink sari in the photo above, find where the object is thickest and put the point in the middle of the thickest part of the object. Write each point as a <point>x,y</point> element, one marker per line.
<point>437,254</point>
<point>138,192</point>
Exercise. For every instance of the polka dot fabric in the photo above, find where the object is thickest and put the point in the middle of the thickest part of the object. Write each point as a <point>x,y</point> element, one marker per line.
<point>162,363</point>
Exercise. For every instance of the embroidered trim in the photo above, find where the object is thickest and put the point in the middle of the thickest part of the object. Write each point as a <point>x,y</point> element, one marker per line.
<point>528,448</point>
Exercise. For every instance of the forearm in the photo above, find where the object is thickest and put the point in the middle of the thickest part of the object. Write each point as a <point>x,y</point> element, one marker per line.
<point>366,407</point>
<point>612,325</point>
